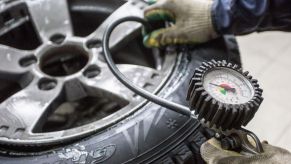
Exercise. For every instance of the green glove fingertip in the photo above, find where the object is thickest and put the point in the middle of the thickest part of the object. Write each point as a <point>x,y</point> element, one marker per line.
<point>159,15</point>
<point>150,42</point>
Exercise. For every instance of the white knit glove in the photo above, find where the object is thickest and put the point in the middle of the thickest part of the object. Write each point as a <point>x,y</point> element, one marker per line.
<point>192,22</point>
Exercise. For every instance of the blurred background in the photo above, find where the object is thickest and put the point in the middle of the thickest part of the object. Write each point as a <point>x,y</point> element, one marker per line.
<point>268,58</point>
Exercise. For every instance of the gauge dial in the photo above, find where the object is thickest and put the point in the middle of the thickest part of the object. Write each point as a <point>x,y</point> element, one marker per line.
<point>228,86</point>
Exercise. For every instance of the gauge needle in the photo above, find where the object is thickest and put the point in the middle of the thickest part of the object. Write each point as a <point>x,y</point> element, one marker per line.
<point>227,88</point>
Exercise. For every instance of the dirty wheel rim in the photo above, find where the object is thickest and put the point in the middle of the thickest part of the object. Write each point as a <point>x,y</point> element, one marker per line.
<point>45,83</point>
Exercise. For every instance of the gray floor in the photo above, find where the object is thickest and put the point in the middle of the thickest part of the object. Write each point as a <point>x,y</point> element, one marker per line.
<point>268,57</point>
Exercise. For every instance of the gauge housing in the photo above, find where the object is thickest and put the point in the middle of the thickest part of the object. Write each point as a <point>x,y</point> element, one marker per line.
<point>215,113</point>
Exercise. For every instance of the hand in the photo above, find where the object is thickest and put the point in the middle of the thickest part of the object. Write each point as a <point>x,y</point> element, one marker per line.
<point>192,22</point>
<point>212,153</point>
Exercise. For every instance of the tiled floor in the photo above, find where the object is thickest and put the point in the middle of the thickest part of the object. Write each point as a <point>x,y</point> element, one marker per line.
<point>268,57</point>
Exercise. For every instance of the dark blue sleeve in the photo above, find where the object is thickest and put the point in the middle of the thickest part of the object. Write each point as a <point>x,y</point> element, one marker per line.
<point>245,16</point>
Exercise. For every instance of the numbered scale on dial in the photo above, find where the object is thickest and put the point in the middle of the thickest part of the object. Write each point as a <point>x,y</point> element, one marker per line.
<point>223,96</point>
<point>228,86</point>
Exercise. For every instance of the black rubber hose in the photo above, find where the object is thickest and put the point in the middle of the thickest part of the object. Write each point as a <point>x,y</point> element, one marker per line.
<point>145,94</point>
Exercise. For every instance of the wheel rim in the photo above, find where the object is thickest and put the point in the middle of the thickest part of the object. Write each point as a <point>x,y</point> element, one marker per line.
<point>67,68</point>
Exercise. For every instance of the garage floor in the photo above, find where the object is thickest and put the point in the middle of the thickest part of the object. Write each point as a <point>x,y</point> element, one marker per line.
<point>268,57</point>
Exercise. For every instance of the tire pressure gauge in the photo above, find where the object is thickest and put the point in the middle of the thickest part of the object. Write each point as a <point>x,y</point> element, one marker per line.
<point>223,96</point>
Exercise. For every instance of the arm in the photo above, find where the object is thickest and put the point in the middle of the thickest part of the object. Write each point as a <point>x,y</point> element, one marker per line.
<point>197,21</point>
<point>246,16</point>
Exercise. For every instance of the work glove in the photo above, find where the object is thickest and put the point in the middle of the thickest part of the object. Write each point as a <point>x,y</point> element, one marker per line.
<point>212,153</point>
<point>192,22</point>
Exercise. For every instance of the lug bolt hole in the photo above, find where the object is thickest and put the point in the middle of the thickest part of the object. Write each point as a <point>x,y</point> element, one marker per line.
<point>92,71</point>
<point>58,38</point>
<point>93,44</point>
<point>27,61</point>
<point>47,84</point>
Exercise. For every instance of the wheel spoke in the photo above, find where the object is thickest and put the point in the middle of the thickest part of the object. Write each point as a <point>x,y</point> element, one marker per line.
<point>12,59</point>
<point>141,76</point>
<point>125,31</point>
<point>50,17</point>
<point>20,113</point>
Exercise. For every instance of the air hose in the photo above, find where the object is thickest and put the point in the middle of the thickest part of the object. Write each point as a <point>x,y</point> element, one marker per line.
<point>141,92</point>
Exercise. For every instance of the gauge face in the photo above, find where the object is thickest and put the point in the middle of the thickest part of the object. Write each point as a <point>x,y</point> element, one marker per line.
<point>228,86</point>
